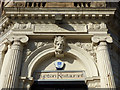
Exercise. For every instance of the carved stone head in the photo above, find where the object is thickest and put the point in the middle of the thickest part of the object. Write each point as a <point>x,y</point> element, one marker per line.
<point>59,44</point>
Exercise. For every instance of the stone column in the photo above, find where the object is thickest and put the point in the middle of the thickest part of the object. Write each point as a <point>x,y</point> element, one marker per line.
<point>13,63</point>
<point>4,62</point>
<point>3,48</point>
<point>103,61</point>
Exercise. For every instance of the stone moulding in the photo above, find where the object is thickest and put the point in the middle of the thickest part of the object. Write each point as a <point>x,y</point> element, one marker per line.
<point>36,56</point>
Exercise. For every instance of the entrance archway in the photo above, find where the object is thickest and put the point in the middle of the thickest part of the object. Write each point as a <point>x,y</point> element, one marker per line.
<point>42,55</point>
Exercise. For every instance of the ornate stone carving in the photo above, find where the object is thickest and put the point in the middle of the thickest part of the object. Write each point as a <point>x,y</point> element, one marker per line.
<point>33,45</point>
<point>98,4</point>
<point>28,52</point>
<point>16,26</point>
<point>96,26</point>
<point>21,38</point>
<point>59,44</point>
<point>39,44</point>
<point>89,47</point>
<point>103,26</point>
<point>99,38</point>
<point>90,26</point>
<point>23,26</point>
<point>29,25</point>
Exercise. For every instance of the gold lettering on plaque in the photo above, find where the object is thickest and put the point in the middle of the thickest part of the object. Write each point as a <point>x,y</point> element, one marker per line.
<point>58,75</point>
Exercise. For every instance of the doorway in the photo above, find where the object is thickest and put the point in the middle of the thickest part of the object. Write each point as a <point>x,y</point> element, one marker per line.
<point>59,85</point>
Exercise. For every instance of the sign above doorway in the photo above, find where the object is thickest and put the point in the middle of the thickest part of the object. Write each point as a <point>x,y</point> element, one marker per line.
<point>58,75</point>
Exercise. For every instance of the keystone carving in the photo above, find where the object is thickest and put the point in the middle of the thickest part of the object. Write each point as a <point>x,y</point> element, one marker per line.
<point>59,44</point>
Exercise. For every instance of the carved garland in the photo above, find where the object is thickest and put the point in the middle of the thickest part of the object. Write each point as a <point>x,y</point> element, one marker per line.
<point>89,47</point>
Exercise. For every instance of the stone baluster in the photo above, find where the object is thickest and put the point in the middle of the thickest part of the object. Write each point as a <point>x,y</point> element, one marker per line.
<point>32,4</point>
<point>82,4</point>
<point>103,61</point>
<point>28,4</point>
<point>13,63</point>
<point>37,4</point>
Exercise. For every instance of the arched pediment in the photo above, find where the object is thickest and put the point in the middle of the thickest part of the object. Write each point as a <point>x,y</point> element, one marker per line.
<point>39,54</point>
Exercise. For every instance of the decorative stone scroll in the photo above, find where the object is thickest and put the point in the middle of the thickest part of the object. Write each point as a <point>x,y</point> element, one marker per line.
<point>100,38</point>
<point>20,38</point>
<point>59,44</point>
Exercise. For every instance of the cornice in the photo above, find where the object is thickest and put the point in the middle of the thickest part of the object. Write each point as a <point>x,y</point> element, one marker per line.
<point>66,12</point>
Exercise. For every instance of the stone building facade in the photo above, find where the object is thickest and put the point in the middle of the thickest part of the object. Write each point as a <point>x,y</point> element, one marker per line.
<point>44,43</point>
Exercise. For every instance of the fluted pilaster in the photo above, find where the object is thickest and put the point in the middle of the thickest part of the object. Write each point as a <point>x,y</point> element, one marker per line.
<point>4,69</point>
<point>3,48</point>
<point>13,63</point>
<point>103,61</point>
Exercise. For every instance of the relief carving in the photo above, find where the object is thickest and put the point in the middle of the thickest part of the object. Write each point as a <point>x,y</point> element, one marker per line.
<point>16,26</point>
<point>96,26</point>
<point>33,45</point>
<point>23,26</point>
<point>59,44</point>
<point>28,52</point>
<point>89,47</point>
<point>40,44</point>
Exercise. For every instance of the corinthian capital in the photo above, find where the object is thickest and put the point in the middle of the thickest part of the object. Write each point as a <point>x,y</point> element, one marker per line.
<point>99,38</point>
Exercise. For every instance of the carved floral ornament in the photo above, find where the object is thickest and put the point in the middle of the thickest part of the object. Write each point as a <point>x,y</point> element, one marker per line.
<point>89,47</point>
<point>23,26</point>
<point>96,26</point>
<point>29,25</point>
<point>33,45</point>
